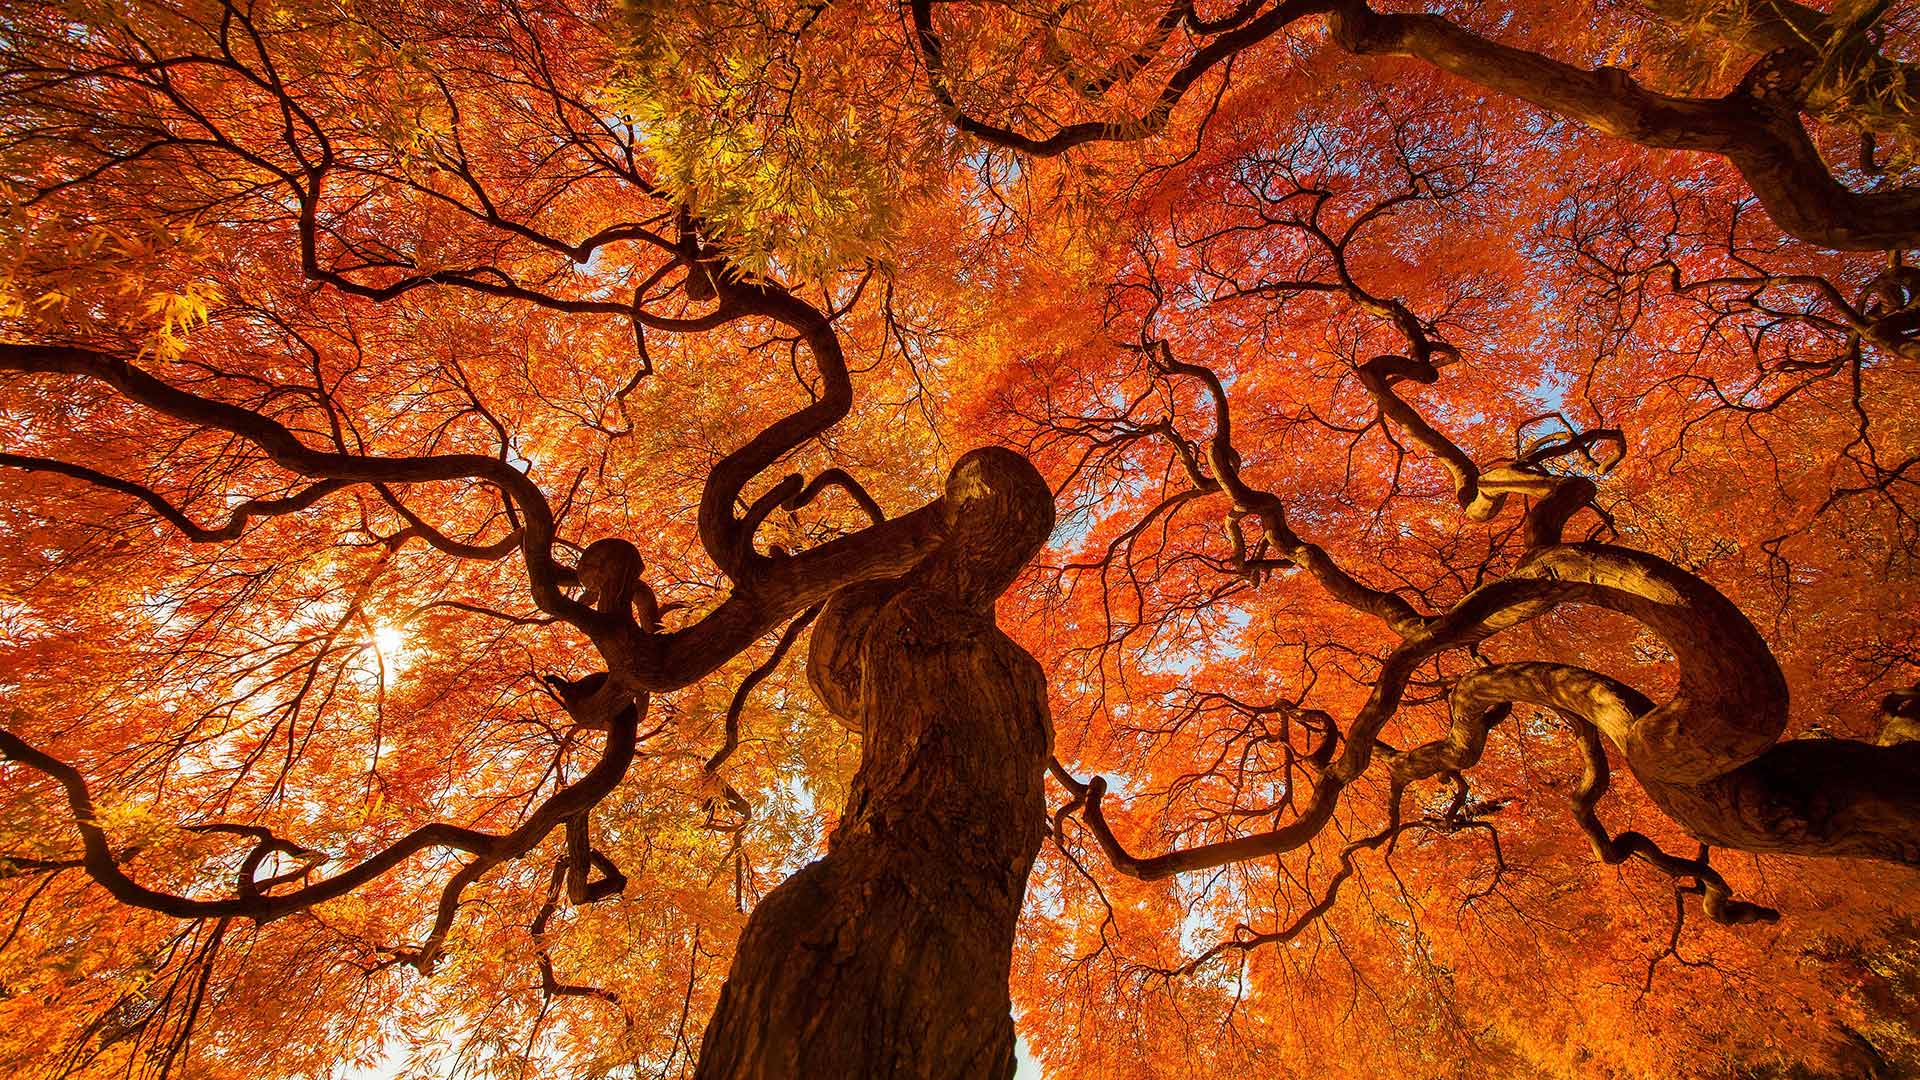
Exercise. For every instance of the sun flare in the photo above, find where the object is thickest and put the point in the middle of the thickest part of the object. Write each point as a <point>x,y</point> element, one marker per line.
<point>389,640</point>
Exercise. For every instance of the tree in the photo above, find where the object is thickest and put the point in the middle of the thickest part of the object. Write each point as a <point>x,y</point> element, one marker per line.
<point>433,432</point>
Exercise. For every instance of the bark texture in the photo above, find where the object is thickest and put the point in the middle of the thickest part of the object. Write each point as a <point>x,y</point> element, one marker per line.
<point>890,956</point>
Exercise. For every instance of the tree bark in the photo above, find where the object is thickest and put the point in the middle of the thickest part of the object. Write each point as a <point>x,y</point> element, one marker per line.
<point>890,956</point>
<point>1824,797</point>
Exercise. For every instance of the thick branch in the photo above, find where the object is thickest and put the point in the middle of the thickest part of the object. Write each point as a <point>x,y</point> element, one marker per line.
<point>1757,127</point>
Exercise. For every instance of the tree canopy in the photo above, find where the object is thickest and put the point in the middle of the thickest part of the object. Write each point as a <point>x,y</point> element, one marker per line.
<point>492,489</point>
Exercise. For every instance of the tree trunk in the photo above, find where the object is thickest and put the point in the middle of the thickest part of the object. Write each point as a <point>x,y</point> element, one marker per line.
<point>890,956</point>
<point>1823,797</point>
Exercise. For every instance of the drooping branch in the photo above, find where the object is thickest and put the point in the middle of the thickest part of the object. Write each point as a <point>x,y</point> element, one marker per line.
<point>253,902</point>
<point>550,984</point>
<point>232,528</point>
<point>1716,897</point>
<point>1231,36</point>
<point>754,678</point>
<point>289,452</point>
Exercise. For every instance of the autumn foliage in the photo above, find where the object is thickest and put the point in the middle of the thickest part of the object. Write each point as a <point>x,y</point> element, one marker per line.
<point>337,333</point>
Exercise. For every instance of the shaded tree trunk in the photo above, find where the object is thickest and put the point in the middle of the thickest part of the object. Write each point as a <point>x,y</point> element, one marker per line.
<point>889,957</point>
<point>1822,797</point>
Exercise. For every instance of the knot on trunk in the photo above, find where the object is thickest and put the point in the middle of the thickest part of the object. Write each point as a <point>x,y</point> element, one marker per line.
<point>1360,30</point>
<point>996,513</point>
<point>833,656</point>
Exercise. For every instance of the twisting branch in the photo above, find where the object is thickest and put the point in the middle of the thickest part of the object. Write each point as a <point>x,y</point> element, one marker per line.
<point>550,984</point>
<point>729,539</point>
<point>1708,755</point>
<point>1757,127</point>
<point>1590,702</point>
<point>265,845</point>
<point>440,541</point>
<point>1224,461</point>
<point>837,478</point>
<point>1716,898</point>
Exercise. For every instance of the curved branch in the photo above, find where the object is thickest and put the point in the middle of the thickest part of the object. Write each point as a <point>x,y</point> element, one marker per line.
<point>442,542</point>
<point>488,849</point>
<point>550,984</point>
<point>1729,708</point>
<point>1592,703</point>
<point>1224,460</point>
<point>1223,47</point>
<point>231,529</point>
<point>755,678</point>
<point>287,451</point>
<point>1757,127</point>
<point>843,480</point>
<point>725,537</point>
